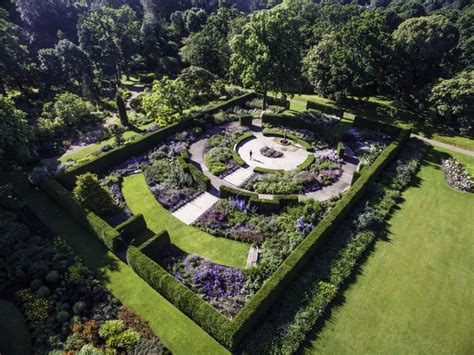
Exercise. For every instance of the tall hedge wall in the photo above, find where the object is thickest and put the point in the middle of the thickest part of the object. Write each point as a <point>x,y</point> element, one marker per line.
<point>181,296</point>
<point>256,307</point>
<point>89,220</point>
<point>131,228</point>
<point>153,246</point>
<point>311,105</point>
<point>391,130</point>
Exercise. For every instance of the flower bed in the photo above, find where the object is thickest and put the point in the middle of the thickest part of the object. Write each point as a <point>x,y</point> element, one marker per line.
<point>66,308</point>
<point>275,234</point>
<point>219,285</point>
<point>326,170</point>
<point>366,144</point>
<point>218,156</point>
<point>304,134</point>
<point>457,176</point>
<point>322,119</point>
<point>169,181</point>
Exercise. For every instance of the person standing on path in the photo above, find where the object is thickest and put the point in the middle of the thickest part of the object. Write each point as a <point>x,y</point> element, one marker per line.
<point>250,155</point>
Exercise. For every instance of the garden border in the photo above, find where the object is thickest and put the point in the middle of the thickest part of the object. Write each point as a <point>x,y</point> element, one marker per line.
<point>231,332</point>
<point>228,332</point>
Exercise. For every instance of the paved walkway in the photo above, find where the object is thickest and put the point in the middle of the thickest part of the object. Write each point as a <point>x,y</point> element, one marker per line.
<point>238,177</point>
<point>234,180</point>
<point>195,208</point>
<point>293,155</point>
<point>445,145</point>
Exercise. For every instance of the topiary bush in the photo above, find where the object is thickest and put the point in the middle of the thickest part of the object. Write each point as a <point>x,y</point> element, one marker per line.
<point>91,195</point>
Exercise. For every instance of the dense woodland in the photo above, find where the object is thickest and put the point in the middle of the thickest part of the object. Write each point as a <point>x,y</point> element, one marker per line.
<point>61,60</point>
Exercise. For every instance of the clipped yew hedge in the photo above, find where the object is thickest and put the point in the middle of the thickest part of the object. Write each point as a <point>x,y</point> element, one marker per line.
<point>131,228</point>
<point>307,163</point>
<point>153,246</point>
<point>181,296</point>
<point>377,126</point>
<point>89,220</point>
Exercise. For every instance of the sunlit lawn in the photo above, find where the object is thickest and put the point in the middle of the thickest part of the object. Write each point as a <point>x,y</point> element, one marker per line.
<point>415,292</point>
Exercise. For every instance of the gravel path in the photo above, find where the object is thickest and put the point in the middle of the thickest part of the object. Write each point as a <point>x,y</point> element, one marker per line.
<point>445,145</point>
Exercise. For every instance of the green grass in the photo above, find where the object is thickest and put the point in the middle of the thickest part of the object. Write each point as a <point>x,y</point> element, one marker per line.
<point>192,240</point>
<point>15,337</point>
<point>179,333</point>
<point>414,293</point>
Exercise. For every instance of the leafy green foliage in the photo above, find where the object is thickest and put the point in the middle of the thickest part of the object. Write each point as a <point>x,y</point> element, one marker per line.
<point>452,102</point>
<point>92,195</point>
<point>16,135</point>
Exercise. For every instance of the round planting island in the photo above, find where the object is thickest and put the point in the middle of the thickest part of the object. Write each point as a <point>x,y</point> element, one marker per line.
<point>261,147</point>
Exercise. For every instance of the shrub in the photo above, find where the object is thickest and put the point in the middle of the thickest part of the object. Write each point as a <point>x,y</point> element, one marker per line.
<point>90,193</point>
<point>245,120</point>
<point>122,110</point>
<point>341,149</point>
<point>307,163</point>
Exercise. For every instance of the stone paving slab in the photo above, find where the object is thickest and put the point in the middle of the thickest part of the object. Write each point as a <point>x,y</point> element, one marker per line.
<point>239,176</point>
<point>194,209</point>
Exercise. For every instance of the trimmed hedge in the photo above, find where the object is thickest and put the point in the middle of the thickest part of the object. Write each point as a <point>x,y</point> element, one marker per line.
<point>311,105</point>
<point>132,227</point>
<point>391,130</point>
<point>275,133</point>
<point>298,123</point>
<point>235,156</point>
<point>202,180</point>
<point>245,120</point>
<point>341,149</point>
<point>256,307</point>
<point>264,205</point>
<point>89,220</point>
<point>307,163</point>
<point>278,101</point>
<point>231,333</point>
<point>261,170</point>
<point>153,246</point>
<point>141,144</point>
<point>355,176</point>
<point>181,296</point>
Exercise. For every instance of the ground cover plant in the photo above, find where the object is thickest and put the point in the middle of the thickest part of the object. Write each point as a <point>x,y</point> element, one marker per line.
<point>305,301</point>
<point>218,156</point>
<point>366,144</point>
<point>65,307</point>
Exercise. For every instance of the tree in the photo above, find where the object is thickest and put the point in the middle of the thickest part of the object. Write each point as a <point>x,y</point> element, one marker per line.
<point>122,110</point>
<point>15,64</point>
<point>452,102</point>
<point>353,60</point>
<point>16,136</point>
<point>267,54</point>
<point>43,19</point>
<point>198,81</point>
<point>188,21</point>
<point>68,66</point>
<point>424,48</point>
<point>209,48</point>
<point>465,25</point>
<point>91,195</point>
<point>167,96</point>
<point>110,37</point>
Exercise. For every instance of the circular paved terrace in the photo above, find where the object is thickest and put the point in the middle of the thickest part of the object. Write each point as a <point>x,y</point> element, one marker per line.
<point>293,154</point>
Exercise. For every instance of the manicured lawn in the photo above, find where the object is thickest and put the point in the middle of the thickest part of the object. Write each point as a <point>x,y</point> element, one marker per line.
<point>179,333</point>
<point>15,337</point>
<point>414,293</point>
<point>192,240</point>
